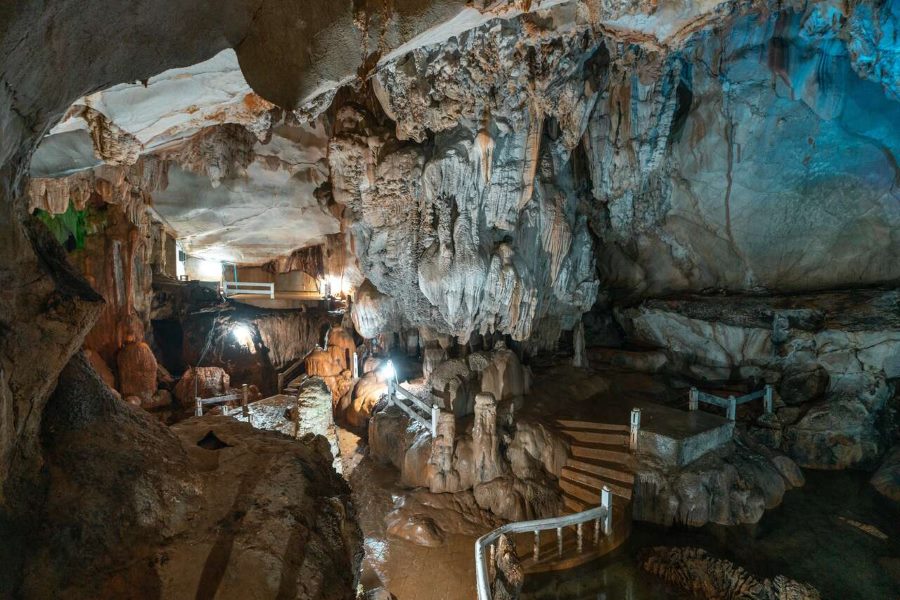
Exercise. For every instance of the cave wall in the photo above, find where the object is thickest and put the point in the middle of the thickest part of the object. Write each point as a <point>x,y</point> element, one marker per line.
<point>778,167</point>
<point>758,157</point>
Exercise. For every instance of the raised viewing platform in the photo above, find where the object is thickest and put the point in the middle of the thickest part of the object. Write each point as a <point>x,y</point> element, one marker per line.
<point>280,300</point>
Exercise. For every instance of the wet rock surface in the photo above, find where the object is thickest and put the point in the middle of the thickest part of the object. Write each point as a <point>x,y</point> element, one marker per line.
<point>730,486</point>
<point>696,571</point>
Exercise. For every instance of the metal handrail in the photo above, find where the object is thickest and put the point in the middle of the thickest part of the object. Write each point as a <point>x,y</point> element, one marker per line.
<point>731,403</point>
<point>243,397</point>
<point>249,287</point>
<point>397,395</point>
<point>601,515</point>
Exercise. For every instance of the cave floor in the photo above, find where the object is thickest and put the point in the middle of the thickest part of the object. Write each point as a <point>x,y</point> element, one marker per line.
<point>404,569</point>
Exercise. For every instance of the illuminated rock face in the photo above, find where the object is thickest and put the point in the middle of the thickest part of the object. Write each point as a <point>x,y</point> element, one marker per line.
<point>511,167</point>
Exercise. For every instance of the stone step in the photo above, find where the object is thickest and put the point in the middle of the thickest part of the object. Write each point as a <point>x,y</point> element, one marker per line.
<point>589,425</point>
<point>616,472</point>
<point>591,494</point>
<point>573,504</point>
<point>616,438</point>
<point>596,483</point>
<point>611,454</point>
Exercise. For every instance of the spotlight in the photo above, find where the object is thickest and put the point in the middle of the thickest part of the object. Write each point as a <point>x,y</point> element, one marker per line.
<point>209,270</point>
<point>242,335</point>
<point>388,371</point>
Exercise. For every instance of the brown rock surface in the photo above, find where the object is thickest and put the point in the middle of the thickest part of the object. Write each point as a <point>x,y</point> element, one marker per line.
<point>137,371</point>
<point>103,370</point>
<point>211,381</point>
<point>210,508</point>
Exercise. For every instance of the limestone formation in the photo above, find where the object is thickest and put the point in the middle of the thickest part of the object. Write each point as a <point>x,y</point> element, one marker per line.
<point>696,571</point>
<point>486,440</point>
<point>205,382</point>
<point>731,486</point>
<point>171,498</point>
<point>137,371</point>
<point>510,575</point>
<point>709,189</point>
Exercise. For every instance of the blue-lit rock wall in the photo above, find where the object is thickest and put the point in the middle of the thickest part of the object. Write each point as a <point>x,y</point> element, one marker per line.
<point>780,168</point>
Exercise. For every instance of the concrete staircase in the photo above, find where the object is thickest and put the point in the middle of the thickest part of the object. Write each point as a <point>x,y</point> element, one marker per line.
<point>599,455</point>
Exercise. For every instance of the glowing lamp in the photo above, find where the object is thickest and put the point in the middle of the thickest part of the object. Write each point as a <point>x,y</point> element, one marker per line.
<point>388,371</point>
<point>209,270</point>
<point>242,335</point>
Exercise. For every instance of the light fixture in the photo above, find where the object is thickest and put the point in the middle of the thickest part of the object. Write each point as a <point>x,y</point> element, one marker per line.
<point>209,270</point>
<point>388,371</point>
<point>243,336</point>
<point>339,285</point>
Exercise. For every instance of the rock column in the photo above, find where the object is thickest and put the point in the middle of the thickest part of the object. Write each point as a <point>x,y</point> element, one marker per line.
<point>485,440</point>
<point>444,478</point>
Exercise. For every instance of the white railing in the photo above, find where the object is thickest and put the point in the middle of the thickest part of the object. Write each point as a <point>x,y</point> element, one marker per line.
<point>243,397</point>
<point>232,288</point>
<point>600,515</point>
<point>730,403</point>
<point>410,404</point>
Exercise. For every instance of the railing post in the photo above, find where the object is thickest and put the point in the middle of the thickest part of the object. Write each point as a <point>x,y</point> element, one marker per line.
<point>391,395</point>
<point>635,428</point>
<point>596,531</point>
<point>767,399</point>
<point>435,413</point>
<point>537,545</point>
<point>272,291</point>
<point>492,565</point>
<point>355,366</point>
<point>245,393</point>
<point>580,536</point>
<point>731,411</point>
<point>606,502</point>
<point>559,541</point>
<point>694,399</point>
<point>198,411</point>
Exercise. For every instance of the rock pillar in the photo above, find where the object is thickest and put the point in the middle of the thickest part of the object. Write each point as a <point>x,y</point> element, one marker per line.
<point>485,440</point>
<point>444,478</point>
<point>580,356</point>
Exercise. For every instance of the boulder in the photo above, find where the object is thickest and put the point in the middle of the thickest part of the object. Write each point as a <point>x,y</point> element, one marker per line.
<point>211,382</point>
<point>835,434</point>
<point>803,383</point>
<point>362,400</point>
<point>415,528</point>
<point>137,370</point>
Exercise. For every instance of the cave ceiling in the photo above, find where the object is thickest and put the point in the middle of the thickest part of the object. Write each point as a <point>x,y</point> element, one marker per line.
<point>502,167</point>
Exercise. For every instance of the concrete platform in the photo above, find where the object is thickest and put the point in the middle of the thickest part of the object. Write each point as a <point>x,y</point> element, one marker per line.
<point>282,300</point>
<point>679,437</point>
<point>672,434</point>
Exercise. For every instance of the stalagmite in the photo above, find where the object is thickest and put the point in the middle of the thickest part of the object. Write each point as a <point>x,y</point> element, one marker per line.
<point>486,439</point>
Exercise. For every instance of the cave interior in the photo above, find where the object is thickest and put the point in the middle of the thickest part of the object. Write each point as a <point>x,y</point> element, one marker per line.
<point>450,299</point>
